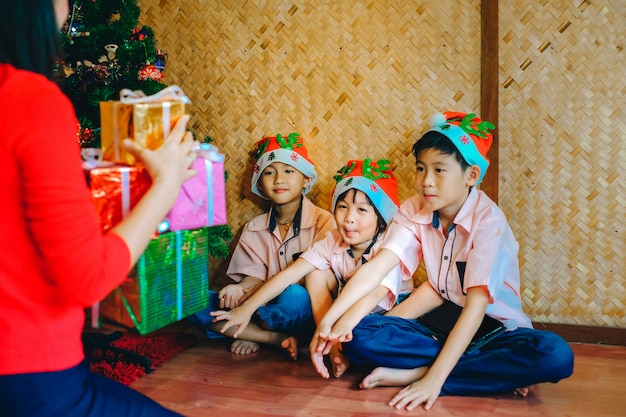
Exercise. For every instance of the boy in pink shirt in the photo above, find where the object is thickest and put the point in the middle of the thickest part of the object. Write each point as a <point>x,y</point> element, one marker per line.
<point>470,255</point>
<point>269,243</point>
<point>364,201</point>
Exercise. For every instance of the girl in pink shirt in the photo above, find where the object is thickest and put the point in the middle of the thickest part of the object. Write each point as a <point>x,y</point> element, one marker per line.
<point>364,201</point>
<point>268,244</point>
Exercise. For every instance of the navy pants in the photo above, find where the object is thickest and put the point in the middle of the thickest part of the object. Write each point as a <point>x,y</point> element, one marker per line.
<point>514,359</point>
<point>289,313</point>
<point>74,392</point>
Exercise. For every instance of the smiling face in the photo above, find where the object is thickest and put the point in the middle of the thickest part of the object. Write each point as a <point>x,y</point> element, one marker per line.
<point>282,183</point>
<point>356,219</point>
<point>442,183</point>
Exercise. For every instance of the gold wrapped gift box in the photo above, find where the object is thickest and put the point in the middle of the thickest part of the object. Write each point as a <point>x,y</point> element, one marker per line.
<point>145,119</point>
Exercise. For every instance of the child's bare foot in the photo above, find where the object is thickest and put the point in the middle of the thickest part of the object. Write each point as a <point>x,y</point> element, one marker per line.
<point>523,392</point>
<point>339,362</point>
<point>290,345</point>
<point>392,377</point>
<point>243,347</point>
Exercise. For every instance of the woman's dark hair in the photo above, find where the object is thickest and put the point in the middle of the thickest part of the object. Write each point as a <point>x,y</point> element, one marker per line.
<point>382,225</point>
<point>439,142</point>
<point>29,36</point>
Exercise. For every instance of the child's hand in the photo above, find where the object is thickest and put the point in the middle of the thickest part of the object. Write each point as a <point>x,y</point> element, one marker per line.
<point>231,296</point>
<point>341,332</point>
<point>423,391</point>
<point>318,341</point>
<point>318,348</point>
<point>317,358</point>
<point>237,318</point>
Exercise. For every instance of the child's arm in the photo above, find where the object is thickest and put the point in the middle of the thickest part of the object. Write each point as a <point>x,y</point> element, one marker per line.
<point>423,299</point>
<point>364,281</point>
<point>348,321</point>
<point>233,295</point>
<point>239,317</point>
<point>320,284</point>
<point>427,389</point>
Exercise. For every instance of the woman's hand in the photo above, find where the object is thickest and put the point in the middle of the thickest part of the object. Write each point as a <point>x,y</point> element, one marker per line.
<point>169,165</point>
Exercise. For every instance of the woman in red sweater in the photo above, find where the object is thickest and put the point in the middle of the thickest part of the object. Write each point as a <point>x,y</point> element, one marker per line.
<point>54,260</point>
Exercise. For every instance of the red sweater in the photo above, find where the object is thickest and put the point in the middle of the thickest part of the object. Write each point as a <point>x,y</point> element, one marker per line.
<point>54,260</point>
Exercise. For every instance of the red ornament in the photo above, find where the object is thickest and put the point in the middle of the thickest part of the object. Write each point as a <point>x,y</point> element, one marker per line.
<point>150,72</point>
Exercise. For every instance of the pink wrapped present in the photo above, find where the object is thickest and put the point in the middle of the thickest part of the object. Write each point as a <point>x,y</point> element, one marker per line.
<point>202,199</point>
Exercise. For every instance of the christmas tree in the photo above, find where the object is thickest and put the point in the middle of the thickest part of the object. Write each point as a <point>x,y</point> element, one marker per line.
<point>106,51</point>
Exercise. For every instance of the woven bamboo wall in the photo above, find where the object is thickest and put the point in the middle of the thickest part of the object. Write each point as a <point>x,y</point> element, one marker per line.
<point>361,78</point>
<point>356,79</point>
<point>563,155</point>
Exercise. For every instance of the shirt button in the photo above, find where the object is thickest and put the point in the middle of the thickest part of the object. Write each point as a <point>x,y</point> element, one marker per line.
<point>445,258</point>
<point>443,291</point>
<point>281,252</point>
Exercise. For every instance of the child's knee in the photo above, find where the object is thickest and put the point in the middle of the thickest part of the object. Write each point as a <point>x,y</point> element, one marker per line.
<point>558,359</point>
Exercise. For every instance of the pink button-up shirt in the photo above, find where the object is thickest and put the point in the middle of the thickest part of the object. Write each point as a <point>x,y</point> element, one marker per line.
<point>262,253</point>
<point>332,252</point>
<point>480,250</point>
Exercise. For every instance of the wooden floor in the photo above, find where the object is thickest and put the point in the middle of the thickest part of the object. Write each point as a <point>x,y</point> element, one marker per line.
<point>207,380</point>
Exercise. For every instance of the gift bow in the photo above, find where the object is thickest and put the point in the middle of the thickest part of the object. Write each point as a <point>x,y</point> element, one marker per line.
<point>92,158</point>
<point>171,93</point>
<point>210,152</point>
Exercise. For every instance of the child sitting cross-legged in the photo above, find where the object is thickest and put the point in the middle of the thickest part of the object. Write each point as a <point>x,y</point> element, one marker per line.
<point>471,259</point>
<point>268,244</point>
<point>364,201</point>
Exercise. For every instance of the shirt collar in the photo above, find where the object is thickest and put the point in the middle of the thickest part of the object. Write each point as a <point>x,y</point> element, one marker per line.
<point>366,251</point>
<point>297,219</point>
<point>465,215</point>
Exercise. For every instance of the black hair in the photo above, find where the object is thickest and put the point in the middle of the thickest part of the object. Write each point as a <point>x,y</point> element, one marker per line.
<point>382,224</point>
<point>441,143</point>
<point>29,36</point>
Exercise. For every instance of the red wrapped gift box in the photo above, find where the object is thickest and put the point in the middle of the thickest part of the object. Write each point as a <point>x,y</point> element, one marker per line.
<point>115,190</point>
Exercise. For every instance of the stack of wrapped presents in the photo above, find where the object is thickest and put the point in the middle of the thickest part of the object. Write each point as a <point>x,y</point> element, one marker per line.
<point>171,279</point>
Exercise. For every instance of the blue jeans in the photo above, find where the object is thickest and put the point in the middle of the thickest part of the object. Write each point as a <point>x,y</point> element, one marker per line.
<point>288,313</point>
<point>514,359</point>
<point>74,392</point>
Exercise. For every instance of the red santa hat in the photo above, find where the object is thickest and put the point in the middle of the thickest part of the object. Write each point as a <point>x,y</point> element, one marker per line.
<point>289,150</point>
<point>375,179</point>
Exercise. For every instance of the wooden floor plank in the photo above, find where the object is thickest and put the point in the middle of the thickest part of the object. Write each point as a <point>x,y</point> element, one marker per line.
<point>207,380</point>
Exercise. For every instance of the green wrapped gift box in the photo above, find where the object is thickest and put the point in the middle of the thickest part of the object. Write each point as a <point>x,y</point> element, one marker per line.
<point>169,282</point>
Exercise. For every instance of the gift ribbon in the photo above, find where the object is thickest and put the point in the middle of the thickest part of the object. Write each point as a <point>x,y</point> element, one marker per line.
<point>208,169</point>
<point>210,155</point>
<point>125,191</point>
<point>171,93</point>
<point>92,158</point>
<point>179,277</point>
